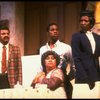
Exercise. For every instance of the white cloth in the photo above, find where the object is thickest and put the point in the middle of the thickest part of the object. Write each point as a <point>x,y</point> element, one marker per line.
<point>91,39</point>
<point>17,85</point>
<point>59,47</point>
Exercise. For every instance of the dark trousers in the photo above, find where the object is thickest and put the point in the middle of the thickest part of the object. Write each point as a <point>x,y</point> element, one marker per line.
<point>4,83</point>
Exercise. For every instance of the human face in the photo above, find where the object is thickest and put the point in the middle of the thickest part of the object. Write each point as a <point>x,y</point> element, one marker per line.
<point>4,36</point>
<point>54,32</point>
<point>50,63</point>
<point>85,23</point>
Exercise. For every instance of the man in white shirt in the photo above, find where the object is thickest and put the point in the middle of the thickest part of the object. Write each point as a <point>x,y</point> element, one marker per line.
<point>61,48</point>
<point>12,75</point>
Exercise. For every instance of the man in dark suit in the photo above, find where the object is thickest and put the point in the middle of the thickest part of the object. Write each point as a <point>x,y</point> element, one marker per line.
<point>13,72</point>
<point>86,51</point>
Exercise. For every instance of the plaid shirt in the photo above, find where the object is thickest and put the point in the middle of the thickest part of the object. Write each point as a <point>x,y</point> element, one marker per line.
<point>14,66</point>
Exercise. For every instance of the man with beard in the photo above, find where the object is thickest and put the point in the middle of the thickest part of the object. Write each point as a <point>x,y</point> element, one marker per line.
<point>12,75</point>
<point>63,50</point>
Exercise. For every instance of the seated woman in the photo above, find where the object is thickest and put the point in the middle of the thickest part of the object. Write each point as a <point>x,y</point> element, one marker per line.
<point>51,75</point>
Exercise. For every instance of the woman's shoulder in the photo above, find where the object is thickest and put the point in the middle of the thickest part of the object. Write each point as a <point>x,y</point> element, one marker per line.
<point>57,73</point>
<point>57,70</point>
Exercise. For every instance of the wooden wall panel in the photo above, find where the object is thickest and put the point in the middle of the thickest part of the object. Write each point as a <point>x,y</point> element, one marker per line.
<point>39,14</point>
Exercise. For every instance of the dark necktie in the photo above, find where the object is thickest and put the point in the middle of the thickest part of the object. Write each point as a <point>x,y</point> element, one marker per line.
<point>4,59</point>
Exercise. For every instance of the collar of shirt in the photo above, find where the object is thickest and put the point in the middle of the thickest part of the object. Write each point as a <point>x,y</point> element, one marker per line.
<point>55,45</point>
<point>1,45</point>
<point>88,32</point>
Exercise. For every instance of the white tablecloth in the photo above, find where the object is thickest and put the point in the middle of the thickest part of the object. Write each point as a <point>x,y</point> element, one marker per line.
<point>29,92</point>
<point>82,91</point>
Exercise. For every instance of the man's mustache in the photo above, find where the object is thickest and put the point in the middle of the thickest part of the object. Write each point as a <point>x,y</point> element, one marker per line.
<point>6,37</point>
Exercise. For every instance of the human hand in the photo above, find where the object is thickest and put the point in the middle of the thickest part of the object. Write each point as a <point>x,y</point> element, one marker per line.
<point>39,77</point>
<point>91,85</point>
<point>89,82</point>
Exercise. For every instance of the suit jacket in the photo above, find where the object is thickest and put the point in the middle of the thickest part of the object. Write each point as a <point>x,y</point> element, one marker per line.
<point>14,65</point>
<point>86,63</point>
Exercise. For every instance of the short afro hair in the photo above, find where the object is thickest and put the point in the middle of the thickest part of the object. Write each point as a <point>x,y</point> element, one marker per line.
<point>56,56</point>
<point>90,14</point>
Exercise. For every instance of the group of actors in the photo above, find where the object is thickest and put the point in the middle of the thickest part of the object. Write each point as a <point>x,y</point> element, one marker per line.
<point>81,57</point>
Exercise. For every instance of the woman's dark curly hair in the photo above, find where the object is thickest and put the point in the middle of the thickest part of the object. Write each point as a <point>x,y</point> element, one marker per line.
<point>56,56</point>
